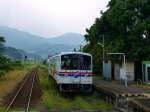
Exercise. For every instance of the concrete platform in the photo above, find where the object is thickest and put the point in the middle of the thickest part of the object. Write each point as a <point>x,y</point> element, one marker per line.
<point>121,96</point>
<point>120,89</point>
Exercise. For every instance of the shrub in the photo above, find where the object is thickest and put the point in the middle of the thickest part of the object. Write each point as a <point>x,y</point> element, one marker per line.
<point>2,72</point>
<point>7,64</point>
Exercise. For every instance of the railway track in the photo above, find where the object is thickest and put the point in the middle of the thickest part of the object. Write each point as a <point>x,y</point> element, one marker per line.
<point>23,96</point>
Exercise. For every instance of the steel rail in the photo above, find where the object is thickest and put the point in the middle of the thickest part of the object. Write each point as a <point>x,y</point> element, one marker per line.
<point>31,90</point>
<point>21,88</point>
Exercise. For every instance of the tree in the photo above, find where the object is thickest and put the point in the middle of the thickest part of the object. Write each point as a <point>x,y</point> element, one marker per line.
<point>126,26</point>
<point>2,40</point>
<point>3,62</point>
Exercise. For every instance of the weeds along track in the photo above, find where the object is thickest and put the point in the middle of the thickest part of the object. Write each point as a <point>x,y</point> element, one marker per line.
<point>25,93</point>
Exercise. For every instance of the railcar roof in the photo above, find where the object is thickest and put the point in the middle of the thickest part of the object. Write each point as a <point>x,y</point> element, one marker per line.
<point>63,53</point>
<point>75,53</point>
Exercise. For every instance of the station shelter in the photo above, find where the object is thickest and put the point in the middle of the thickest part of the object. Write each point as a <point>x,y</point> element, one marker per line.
<point>115,70</point>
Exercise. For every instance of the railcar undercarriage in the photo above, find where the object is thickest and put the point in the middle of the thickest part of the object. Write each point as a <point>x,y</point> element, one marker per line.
<point>75,87</point>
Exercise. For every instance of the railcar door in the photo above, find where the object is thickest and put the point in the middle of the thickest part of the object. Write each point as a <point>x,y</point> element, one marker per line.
<point>85,69</point>
<point>76,69</point>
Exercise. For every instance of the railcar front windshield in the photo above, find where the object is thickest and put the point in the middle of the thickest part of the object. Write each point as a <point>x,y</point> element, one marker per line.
<point>75,62</point>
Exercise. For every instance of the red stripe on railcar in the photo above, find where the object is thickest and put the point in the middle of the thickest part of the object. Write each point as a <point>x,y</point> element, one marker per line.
<point>83,73</point>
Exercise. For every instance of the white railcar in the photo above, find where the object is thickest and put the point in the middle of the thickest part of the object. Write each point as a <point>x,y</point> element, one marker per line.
<point>72,71</point>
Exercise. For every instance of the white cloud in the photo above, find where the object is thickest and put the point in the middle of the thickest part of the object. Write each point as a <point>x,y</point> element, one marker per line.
<point>50,17</point>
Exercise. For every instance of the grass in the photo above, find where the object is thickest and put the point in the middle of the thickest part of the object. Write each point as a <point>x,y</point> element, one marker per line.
<point>146,84</point>
<point>9,81</point>
<point>54,100</point>
<point>2,109</point>
<point>98,77</point>
<point>47,100</point>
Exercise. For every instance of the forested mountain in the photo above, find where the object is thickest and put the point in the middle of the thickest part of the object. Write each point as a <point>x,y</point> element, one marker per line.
<point>17,54</point>
<point>126,28</point>
<point>39,45</point>
<point>13,53</point>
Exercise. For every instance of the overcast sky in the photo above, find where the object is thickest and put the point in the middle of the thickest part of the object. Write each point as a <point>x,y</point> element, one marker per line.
<point>50,18</point>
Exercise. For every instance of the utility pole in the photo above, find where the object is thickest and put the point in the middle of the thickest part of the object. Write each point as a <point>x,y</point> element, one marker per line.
<point>103,47</point>
<point>80,48</point>
<point>103,50</point>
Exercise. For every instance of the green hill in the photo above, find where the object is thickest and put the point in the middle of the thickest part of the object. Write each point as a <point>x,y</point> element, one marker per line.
<point>39,45</point>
